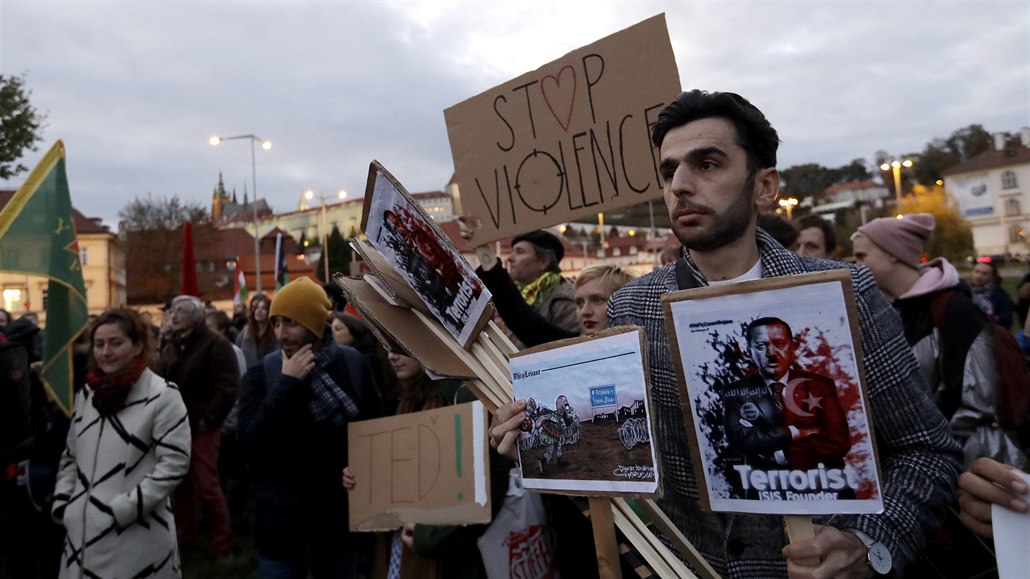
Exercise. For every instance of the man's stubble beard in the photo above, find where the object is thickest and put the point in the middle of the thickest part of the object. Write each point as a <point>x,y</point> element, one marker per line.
<point>730,226</point>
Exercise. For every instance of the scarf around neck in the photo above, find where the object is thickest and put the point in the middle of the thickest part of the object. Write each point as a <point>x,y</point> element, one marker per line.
<point>329,400</point>
<point>540,286</point>
<point>111,390</point>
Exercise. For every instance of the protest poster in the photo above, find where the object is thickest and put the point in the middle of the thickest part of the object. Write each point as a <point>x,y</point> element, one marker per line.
<point>399,329</point>
<point>778,414</point>
<point>569,139</point>
<point>588,428</point>
<point>420,259</point>
<point>426,467</point>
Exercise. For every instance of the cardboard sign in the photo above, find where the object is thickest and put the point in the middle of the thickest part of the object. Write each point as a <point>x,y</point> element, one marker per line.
<point>778,415</point>
<point>569,139</point>
<point>399,326</point>
<point>427,467</point>
<point>419,264</point>
<point>567,443</point>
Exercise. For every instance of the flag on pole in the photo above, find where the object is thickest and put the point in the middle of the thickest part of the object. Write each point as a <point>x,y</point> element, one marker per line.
<point>239,286</point>
<point>189,265</point>
<point>282,276</point>
<point>37,237</point>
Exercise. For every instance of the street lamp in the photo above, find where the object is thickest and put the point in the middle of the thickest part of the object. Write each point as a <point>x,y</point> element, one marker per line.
<point>896,166</point>
<point>309,195</point>
<point>266,145</point>
<point>789,204</point>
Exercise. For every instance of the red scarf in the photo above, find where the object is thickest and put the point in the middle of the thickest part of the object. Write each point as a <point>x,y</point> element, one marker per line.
<point>111,390</point>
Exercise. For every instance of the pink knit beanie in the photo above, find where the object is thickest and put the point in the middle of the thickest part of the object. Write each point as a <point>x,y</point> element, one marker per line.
<point>903,238</point>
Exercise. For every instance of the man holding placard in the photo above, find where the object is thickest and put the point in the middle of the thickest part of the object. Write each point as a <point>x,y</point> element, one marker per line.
<point>535,267</point>
<point>718,166</point>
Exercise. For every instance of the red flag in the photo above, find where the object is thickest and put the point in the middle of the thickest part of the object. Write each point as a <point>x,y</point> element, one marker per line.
<point>189,265</point>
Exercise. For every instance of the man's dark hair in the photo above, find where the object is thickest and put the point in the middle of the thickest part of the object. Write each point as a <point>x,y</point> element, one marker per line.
<point>754,133</point>
<point>782,230</point>
<point>767,321</point>
<point>829,235</point>
<point>222,321</point>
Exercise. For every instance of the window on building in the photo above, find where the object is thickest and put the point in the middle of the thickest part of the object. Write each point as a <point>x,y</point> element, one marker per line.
<point>46,294</point>
<point>1016,233</point>
<point>1012,207</point>
<point>84,256</point>
<point>13,301</point>
<point>1008,180</point>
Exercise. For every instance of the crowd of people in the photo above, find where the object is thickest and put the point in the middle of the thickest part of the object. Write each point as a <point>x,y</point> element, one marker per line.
<point>245,417</point>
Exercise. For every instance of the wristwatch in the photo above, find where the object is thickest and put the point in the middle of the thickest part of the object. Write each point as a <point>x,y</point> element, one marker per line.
<point>877,555</point>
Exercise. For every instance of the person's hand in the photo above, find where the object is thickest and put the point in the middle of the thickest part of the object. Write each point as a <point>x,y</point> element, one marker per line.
<point>349,482</point>
<point>468,225</point>
<point>300,364</point>
<point>408,536</point>
<point>989,482</point>
<point>506,428</point>
<point>840,554</point>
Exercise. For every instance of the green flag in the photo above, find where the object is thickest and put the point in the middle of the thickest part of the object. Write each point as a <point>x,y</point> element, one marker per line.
<point>37,237</point>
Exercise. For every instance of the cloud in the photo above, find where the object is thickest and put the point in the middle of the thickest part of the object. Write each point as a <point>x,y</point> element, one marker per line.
<point>136,89</point>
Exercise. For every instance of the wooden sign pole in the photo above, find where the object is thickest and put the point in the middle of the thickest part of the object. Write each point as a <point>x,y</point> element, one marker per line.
<point>601,520</point>
<point>800,528</point>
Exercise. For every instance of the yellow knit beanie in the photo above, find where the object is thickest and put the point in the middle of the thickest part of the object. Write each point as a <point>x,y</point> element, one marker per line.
<point>304,302</point>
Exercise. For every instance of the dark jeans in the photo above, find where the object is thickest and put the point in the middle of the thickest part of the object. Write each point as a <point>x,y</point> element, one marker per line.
<point>315,536</point>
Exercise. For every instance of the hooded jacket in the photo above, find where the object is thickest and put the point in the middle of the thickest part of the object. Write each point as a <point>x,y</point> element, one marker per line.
<point>957,360</point>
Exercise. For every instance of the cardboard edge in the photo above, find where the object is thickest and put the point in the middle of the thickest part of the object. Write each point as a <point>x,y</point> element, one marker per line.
<point>453,367</point>
<point>376,167</point>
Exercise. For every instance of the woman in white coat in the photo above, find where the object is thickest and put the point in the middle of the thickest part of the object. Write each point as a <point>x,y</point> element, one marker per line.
<point>128,448</point>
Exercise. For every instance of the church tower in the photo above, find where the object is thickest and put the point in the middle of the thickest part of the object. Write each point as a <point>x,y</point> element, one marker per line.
<point>218,200</point>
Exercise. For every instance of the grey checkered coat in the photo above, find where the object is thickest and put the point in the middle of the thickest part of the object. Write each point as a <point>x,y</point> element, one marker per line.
<point>918,457</point>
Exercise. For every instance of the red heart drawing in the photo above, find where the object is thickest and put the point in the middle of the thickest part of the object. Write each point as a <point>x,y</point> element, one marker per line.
<point>563,99</point>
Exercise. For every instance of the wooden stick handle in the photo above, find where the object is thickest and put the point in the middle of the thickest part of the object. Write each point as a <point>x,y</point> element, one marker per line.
<point>800,528</point>
<point>604,538</point>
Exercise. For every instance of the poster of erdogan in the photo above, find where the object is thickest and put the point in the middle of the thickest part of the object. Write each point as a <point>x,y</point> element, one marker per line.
<point>772,370</point>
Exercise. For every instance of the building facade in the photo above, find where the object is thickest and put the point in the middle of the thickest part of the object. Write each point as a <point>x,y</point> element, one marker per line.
<point>992,191</point>
<point>103,272</point>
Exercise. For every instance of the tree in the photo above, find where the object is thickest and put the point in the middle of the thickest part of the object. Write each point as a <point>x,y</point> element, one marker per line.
<point>21,126</point>
<point>942,154</point>
<point>152,230</point>
<point>856,170</point>
<point>953,237</point>
<point>339,253</point>
<point>806,182</point>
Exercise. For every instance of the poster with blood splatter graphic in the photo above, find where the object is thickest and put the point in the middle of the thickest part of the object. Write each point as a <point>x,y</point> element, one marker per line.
<point>778,417</point>
<point>425,263</point>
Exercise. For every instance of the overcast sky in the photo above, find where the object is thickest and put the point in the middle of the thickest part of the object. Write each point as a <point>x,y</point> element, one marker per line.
<point>135,89</point>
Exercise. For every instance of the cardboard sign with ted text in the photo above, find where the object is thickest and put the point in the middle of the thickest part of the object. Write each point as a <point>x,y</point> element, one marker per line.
<point>569,139</point>
<point>425,467</point>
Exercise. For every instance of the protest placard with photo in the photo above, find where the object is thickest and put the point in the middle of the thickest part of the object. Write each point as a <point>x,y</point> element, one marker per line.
<point>588,428</point>
<point>569,139</point>
<point>771,371</point>
<point>410,242</point>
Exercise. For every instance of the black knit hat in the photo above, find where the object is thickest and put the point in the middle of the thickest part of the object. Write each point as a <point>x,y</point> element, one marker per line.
<point>543,240</point>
